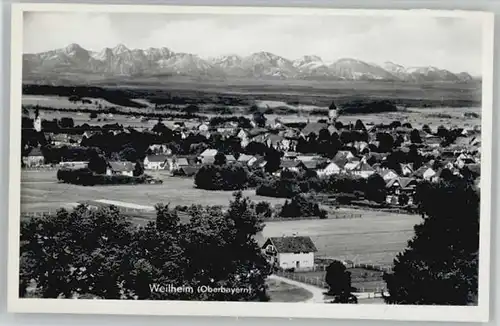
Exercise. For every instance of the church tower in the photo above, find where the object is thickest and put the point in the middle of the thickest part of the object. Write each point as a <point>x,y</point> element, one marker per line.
<point>332,113</point>
<point>37,123</point>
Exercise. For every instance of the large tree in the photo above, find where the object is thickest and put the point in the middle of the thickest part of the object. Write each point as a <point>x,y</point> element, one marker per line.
<point>375,188</point>
<point>338,279</point>
<point>440,264</point>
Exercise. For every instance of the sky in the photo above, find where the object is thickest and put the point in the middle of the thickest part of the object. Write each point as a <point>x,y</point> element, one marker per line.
<point>447,43</point>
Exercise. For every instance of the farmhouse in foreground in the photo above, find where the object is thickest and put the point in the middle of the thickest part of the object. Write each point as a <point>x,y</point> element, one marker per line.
<point>291,252</point>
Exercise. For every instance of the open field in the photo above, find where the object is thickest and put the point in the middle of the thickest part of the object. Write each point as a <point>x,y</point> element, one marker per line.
<point>311,92</point>
<point>375,238</point>
<point>41,191</point>
<point>434,117</point>
<point>294,99</point>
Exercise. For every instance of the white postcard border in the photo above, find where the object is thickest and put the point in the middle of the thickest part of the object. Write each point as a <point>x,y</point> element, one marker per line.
<point>479,313</point>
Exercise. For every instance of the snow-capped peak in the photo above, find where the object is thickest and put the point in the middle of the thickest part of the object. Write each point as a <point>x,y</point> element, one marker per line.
<point>308,60</point>
<point>122,61</point>
<point>103,55</point>
<point>72,48</point>
<point>422,70</point>
<point>120,48</point>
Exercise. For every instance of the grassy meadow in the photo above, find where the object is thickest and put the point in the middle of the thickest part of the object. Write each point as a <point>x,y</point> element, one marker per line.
<point>375,238</point>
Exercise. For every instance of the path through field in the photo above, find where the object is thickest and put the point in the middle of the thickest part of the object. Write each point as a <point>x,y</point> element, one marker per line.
<point>318,296</point>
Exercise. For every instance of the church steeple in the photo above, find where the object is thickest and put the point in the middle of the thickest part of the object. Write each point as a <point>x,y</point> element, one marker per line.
<point>37,123</point>
<point>332,113</point>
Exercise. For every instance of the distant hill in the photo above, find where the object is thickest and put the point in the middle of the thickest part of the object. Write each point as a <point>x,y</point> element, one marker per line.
<point>77,62</point>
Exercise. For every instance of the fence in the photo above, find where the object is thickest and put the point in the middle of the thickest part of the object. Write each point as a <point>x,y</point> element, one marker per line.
<point>335,215</point>
<point>322,262</point>
<point>312,280</point>
<point>371,292</point>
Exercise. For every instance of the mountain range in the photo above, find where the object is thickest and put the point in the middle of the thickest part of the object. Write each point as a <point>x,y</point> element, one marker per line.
<point>122,61</point>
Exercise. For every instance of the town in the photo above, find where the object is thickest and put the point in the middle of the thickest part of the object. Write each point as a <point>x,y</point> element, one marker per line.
<point>397,153</point>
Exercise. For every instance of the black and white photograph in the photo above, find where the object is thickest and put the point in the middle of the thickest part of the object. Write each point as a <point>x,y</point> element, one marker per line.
<point>285,162</point>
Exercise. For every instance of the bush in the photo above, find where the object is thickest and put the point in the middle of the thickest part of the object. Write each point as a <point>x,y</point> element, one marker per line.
<point>86,177</point>
<point>278,188</point>
<point>264,209</point>
<point>301,206</point>
<point>290,184</point>
<point>222,177</point>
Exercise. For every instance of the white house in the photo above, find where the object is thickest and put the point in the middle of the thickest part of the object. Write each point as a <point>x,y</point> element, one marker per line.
<point>156,162</point>
<point>208,156</point>
<point>290,252</point>
<point>34,158</point>
<point>330,169</point>
<point>360,168</point>
<point>120,168</point>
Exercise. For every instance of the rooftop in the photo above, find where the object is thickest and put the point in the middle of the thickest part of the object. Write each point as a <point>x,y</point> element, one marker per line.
<point>293,244</point>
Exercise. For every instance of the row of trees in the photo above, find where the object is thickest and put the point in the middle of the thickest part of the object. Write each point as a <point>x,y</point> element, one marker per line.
<point>98,253</point>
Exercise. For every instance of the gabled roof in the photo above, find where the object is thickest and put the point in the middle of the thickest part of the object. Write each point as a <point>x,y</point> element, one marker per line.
<point>209,152</point>
<point>189,170</point>
<point>324,164</point>
<point>230,158</point>
<point>385,172</point>
<point>403,182</point>
<point>260,161</point>
<point>358,166</point>
<point>245,158</point>
<point>35,152</point>
<point>182,161</point>
<point>157,158</point>
<point>294,244</point>
<point>420,172</point>
<point>311,164</point>
<point>341,158</point>
<point>121,166</point>
<point>274,139</point>
<point>313,127</point>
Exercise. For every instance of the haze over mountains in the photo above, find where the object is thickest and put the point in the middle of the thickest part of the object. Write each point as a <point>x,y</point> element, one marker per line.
<point>121,61</point>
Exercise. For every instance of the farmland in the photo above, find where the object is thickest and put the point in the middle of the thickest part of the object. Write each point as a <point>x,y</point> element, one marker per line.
<point>41,191</point>
<point>375,238</point>
<point>432,104</point>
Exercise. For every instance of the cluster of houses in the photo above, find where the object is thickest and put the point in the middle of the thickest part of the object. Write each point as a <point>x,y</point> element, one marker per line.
<point>465,151</point>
